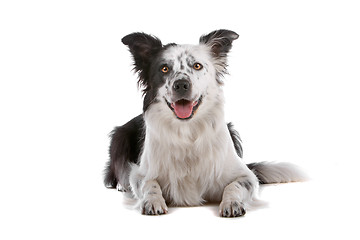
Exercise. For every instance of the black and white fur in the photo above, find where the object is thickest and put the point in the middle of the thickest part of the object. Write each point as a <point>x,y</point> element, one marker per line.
<point>180,151</point>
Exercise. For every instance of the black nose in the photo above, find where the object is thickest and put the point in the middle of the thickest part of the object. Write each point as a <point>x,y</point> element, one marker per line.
<point>181,86</point>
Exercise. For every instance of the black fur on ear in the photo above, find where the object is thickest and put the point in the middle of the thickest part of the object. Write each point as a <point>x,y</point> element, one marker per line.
<point>220,43</point>
<point>143,47</point>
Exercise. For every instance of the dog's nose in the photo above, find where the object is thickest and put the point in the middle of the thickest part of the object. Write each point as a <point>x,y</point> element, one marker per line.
<point>181,86</point>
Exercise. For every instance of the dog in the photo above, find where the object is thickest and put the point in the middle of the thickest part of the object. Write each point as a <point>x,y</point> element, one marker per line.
<point>180,151</point>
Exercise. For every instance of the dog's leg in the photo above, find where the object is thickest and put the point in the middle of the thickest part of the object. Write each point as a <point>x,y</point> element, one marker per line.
<point>235,195</point>
<point>148,192</point>
<point>152,201</point>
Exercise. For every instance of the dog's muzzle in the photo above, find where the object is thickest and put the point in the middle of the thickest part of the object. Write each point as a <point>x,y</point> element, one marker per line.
<point>184,109</point>
<point>182,87</point>
<point>182,103</point>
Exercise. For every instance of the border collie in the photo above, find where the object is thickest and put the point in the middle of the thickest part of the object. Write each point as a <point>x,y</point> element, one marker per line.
<point>180,151</point>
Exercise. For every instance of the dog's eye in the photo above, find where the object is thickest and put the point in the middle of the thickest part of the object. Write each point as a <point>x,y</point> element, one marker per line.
<point>165,69</point>
<point>197,66</point>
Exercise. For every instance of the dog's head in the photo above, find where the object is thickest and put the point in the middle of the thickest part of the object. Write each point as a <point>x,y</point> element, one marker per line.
<point>180,77</point>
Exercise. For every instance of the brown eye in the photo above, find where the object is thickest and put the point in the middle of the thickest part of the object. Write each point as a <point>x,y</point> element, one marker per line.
<point>197,66</point>
<point>165,69</point>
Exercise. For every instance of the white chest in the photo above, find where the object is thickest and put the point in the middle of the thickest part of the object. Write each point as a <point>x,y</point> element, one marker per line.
<point>189,167</point>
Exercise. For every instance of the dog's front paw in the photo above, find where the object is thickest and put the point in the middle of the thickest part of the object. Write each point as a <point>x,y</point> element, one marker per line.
<point>232,209</point>
<point>154,205</point>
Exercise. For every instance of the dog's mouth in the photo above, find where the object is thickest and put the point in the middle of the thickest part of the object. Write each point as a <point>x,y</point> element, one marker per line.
<point>184,109</point>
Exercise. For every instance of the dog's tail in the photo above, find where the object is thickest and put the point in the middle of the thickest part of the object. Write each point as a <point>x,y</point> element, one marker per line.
<point>272,172</point>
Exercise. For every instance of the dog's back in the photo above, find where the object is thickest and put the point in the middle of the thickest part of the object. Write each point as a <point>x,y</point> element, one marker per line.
<point>125,147</point>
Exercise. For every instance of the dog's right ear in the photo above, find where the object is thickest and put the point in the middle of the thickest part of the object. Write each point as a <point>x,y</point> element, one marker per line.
<point>142,46</point>
<point>220,43</point>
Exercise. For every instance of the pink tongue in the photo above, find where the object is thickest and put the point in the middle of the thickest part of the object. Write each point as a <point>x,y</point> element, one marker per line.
<point>183,108</point>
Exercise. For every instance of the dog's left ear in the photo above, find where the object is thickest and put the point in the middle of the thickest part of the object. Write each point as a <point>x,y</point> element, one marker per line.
<point>143,47</point>
<point>220,43</point>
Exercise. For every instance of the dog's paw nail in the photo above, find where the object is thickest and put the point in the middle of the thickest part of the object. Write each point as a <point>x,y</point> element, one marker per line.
<point>232,209</point>
<point>154,206</point>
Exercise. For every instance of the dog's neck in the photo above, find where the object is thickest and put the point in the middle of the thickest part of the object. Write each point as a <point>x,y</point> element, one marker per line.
<point>210,119</point>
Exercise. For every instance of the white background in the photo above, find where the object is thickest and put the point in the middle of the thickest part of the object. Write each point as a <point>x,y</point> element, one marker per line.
<point>66,81</point>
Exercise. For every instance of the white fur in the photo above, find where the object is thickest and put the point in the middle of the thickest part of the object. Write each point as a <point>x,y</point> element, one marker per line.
<point>194,160</point>
<point>202,81</point>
